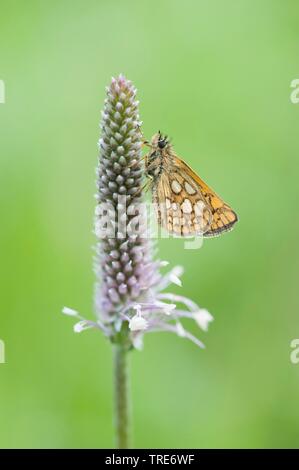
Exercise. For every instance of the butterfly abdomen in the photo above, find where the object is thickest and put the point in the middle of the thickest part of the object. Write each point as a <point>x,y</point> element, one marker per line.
<point>153,165</point>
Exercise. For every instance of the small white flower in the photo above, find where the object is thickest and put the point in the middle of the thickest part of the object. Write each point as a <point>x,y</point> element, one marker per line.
<point>82,325</point>
<point>138,323</point>
<point>69,311</point>
<point>203,318</point>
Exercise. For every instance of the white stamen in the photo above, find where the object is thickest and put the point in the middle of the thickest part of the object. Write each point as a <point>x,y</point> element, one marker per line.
<point>69,311</point>
<point>174,275</point>
<point>82,325</point>
<point>180,330</point>
<point>203,318</point>
<point>164,263</point>
<point>167,308</point>
<point>175,279</point>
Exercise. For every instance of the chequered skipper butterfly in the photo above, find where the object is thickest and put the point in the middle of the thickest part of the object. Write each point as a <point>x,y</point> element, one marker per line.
<point>185,205</point>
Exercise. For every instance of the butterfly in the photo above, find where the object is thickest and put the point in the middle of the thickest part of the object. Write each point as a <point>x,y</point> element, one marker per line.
<point>185,205</point>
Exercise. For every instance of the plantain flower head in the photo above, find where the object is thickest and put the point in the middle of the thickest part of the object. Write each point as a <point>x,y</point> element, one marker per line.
<point>130,289</point>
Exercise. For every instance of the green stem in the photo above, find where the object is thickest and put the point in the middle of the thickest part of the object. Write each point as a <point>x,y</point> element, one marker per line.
<point>121,396</point>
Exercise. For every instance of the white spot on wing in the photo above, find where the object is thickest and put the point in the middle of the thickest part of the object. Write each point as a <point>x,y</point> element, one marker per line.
<point>176,187</point>
<point>190,190</point>
<point>198,208</point>
<point>187,206</point>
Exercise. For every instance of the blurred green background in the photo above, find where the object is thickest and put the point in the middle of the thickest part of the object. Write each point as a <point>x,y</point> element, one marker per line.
<point>216,77</point>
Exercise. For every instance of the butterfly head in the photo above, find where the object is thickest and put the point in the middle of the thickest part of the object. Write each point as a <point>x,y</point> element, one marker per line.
<point>160,141</point>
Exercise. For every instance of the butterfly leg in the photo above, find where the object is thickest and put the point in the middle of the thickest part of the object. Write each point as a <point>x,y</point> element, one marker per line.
<point>145,187</point>
<point>145,142</point>
<point>136,162</point>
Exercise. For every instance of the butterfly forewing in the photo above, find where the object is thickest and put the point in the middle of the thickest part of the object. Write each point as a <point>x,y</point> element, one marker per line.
<point>222,216</point>
<point>186,205</point>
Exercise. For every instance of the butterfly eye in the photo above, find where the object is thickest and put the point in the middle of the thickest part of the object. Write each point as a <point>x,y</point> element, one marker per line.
<point>162,143</point>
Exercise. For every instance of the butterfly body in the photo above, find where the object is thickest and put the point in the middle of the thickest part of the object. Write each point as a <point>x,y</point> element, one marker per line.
<point>185,205</point>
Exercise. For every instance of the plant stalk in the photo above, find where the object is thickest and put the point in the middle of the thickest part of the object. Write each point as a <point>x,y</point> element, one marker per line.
<point>122,405</point>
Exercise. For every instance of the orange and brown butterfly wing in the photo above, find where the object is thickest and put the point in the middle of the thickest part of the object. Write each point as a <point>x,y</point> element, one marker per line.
<point>179,212</point>
<point>187,206</point>
<point>223,216</point>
